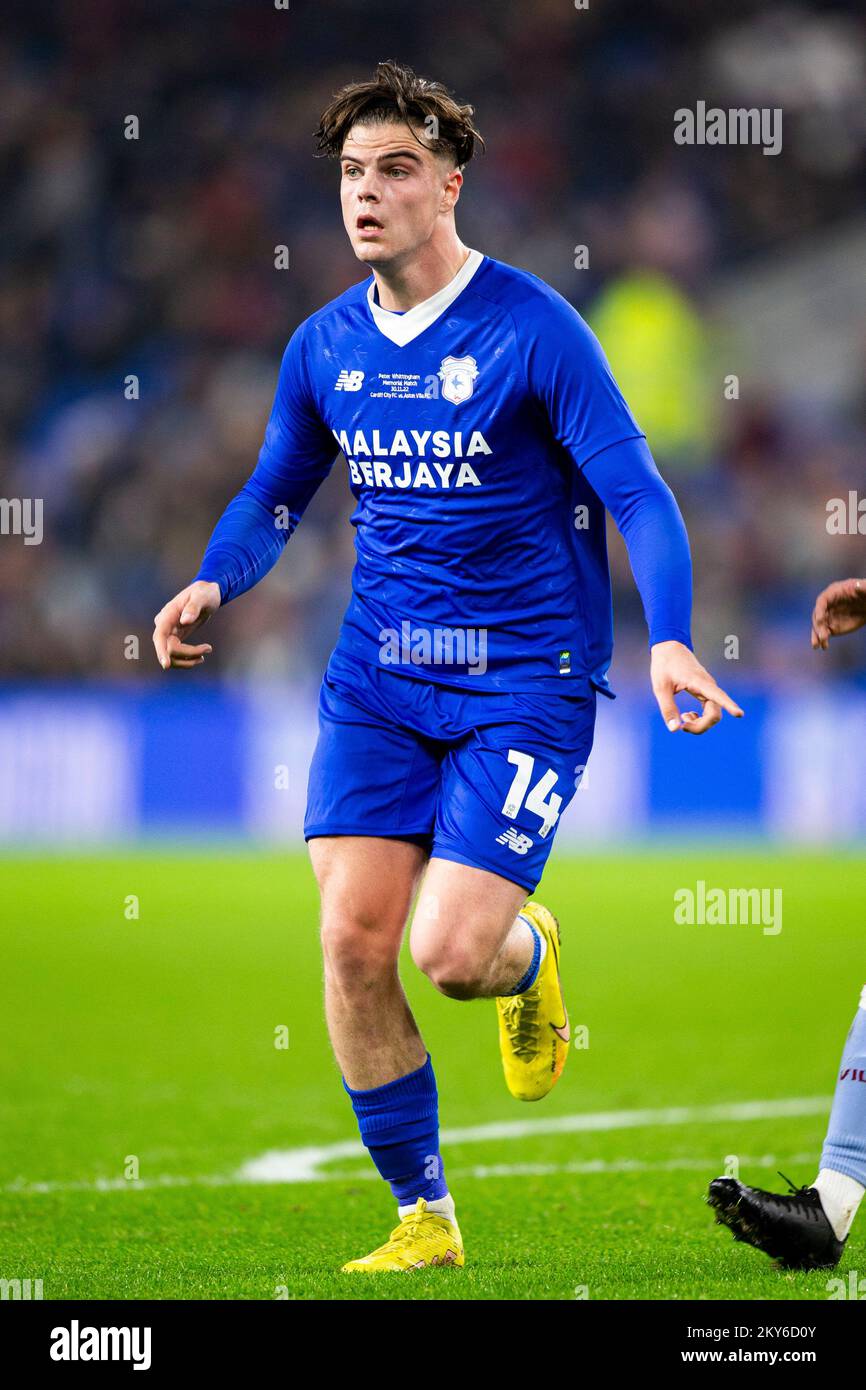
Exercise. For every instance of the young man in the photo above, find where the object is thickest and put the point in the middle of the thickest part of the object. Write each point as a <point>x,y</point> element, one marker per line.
<point>484,437</point>
<point>807,1227</point>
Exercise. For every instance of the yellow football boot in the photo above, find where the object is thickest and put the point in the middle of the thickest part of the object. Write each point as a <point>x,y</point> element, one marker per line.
<point>422,1238</point>
<point>534,1034</point>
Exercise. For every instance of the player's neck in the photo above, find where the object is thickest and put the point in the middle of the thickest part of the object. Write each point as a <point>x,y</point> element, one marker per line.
<point>434,267</point>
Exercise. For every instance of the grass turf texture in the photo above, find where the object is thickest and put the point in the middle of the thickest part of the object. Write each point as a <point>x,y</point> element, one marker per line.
<point>155,1038</point>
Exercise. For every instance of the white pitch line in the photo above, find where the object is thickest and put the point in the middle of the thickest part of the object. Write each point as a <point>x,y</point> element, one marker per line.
<point>587,1168</point>
<point>305,1164</point>
<point>620,1165</point>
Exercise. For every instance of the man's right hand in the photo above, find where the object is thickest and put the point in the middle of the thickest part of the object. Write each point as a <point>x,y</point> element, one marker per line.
<point>839,608</point>
<point>179,619</point>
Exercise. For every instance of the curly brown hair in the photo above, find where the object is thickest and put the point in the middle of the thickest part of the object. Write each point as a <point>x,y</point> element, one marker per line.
<point>398,94</point>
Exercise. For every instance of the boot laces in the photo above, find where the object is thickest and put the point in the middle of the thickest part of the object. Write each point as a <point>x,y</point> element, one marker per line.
<point>412,1227</point>
<point>520,1015</point>
<point>800,1198</point>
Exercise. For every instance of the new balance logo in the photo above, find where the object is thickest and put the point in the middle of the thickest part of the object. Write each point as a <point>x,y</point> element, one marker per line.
<point>514,840</point>
<point>349,381</point>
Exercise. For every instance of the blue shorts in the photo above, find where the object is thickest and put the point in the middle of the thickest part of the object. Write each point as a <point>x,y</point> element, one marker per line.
<point>476,777</point>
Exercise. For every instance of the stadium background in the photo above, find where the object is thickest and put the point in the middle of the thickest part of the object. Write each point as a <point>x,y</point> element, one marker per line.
<point>154,257</point>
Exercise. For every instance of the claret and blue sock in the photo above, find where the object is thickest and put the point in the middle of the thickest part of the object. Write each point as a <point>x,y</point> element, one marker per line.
<point>842,1179</point>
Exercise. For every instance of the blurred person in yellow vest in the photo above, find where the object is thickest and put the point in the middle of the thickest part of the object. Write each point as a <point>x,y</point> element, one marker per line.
<point>657,340</point>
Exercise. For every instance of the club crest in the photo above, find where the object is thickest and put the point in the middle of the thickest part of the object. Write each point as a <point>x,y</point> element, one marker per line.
<point>458,377</point>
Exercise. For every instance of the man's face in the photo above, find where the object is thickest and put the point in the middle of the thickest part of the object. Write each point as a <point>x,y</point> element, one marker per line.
<point>393,190</point>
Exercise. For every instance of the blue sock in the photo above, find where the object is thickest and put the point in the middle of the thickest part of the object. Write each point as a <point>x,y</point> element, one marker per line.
<point>845,1146</point>
<point>399,1124</point>
<point>531,975</point>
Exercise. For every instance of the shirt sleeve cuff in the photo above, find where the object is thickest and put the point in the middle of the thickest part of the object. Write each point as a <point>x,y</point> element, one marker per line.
<point>671,634</point>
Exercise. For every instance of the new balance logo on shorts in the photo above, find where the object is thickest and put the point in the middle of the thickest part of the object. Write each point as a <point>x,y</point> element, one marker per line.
<point>349,381</point>
<point>515,840</point>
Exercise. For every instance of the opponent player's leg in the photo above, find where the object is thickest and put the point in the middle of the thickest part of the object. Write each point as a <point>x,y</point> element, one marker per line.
<point>841,1180</point>
<point>807,1227</point>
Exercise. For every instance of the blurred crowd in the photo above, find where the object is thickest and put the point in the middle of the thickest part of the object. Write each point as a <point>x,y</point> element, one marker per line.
<point>142,316</point>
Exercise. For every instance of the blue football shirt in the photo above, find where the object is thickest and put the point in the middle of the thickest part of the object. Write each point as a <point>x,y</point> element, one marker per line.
<point>466,423</point>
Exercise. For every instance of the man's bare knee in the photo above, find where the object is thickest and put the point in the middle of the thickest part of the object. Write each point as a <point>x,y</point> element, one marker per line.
<point>463,918</point>
<point>357,949</point>
<point>454,971</point>
<point>366,887</point>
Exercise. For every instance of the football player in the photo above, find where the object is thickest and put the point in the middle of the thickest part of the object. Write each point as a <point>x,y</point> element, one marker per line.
<point>484,436</point>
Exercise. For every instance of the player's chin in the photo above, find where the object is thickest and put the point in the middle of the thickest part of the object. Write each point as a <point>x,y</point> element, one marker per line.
<point>372,252</point>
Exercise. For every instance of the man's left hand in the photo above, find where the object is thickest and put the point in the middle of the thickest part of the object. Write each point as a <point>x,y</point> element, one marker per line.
<point>674,670</point>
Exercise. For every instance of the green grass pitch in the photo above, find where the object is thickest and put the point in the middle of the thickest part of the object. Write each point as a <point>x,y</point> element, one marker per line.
<point>151,1040</point>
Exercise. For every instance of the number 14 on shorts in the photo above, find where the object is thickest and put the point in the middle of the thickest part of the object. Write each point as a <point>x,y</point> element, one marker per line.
<point>541,799</point>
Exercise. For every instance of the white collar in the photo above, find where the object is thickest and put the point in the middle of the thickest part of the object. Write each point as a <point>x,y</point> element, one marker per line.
<point>402,328</point>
